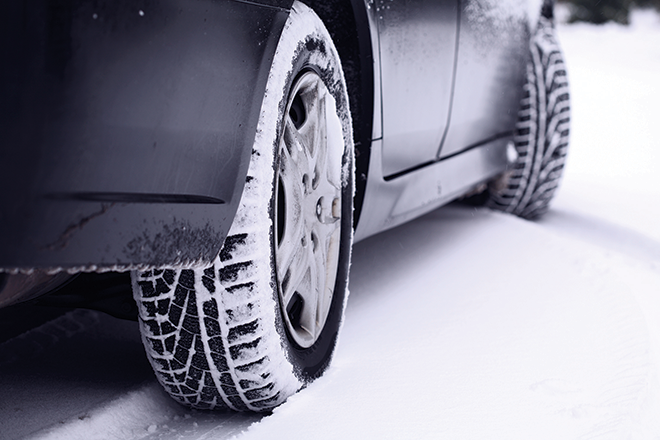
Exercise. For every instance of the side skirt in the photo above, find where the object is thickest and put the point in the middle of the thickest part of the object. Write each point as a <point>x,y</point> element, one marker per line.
<point>389,203</point>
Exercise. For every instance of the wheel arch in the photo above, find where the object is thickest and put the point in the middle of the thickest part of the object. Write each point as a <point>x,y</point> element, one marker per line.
<point>347,22</point>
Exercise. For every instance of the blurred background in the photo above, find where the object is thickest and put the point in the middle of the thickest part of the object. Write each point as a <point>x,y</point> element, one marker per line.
<point>602,11</point>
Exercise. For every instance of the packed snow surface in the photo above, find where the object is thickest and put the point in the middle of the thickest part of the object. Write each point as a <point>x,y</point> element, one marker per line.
<point>464,324</point>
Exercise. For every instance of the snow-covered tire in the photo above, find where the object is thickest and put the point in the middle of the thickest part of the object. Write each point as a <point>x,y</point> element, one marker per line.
<point>263,320</point>
<point>541,134</point>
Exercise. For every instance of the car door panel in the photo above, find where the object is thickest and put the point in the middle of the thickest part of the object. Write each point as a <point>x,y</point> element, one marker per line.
<point>417,51</point>
<point>490,67</point>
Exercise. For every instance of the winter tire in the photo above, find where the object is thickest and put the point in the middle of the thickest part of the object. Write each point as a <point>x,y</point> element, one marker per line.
<point>541,135</point>
<point>262,321</point>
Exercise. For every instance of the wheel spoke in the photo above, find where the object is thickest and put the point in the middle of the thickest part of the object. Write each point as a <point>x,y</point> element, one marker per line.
<point>314,124</point>
<point>296,145</point>
<point>294,273</point>
<point>306,287</point>
<point>293,231</point>
<point>327,237</point>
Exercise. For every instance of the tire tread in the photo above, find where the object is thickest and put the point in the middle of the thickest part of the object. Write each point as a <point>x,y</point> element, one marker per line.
<point>541,134</point>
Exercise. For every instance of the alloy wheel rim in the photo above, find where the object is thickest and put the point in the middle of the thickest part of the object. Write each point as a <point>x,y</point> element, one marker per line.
<point>308,201</point>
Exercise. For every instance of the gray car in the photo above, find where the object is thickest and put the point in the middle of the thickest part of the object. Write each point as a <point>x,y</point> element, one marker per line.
<point>218,158</point>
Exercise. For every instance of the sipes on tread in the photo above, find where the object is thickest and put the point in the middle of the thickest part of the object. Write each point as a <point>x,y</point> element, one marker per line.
<point>541,134</point>
<point>183,325</point>
<point>208,333</point>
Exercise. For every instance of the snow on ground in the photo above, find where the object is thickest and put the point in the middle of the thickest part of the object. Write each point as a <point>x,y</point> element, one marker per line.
<point>464,324</point>
<point>509,332</point>
<point>613,168</point>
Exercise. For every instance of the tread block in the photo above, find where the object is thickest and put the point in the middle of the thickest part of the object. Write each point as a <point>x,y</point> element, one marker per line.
<point>226,379</point>
<point>259,393</point>
<point>267,403</point>
<point>209,394</point>
<point>181,355</point>
<point>230,245</point>
<point>247,384</point>
<point>245,288</point>
<point>212,327</point>
<point>153,326</point>
<point>231,272</point>
<point>147,289</point>
<point>229,390</point>
<point>217,345</point>
<point>180,295</point>
<point>252,366</point>
<point>150,308</point>
<point>169,276</point>
<point>196,373</point>
<point>157,345</point>
<point>208,284</point>
<point>244,351</point>
<point>191,310</point>
<point>210,308</point>
<point>199,361</point>
<point>237,332</point>
<point>186,339</point>
<point>170,343</point>
<point>187,279</point>
<point>163,306</point>
<point>191,324</point>
<point>219,361</point>
<point>161,286</point>
<point>176,365</point>
<point>161,364</point>
<point>187,391</point>
<point>181,377</point>
<point>192,384</point>
<point>175,314</point>
<point>166,328</point>
<point>167,377</point>
<point>237,403</point>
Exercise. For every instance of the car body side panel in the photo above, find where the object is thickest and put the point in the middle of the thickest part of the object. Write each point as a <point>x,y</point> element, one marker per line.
<point>488,86</point>
<point>417,52</point>
<point>492,54</point>
<point>392,202</point>
<point>127,127</point>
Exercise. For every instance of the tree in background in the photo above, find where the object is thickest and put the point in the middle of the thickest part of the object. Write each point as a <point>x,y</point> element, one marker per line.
<point>601,11</point>
<point>648,4</point>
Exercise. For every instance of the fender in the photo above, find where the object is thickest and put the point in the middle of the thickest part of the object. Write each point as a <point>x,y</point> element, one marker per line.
<point>127,128</point>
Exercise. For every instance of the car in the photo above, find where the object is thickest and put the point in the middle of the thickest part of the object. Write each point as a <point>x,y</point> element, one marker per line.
<point>219,159</point>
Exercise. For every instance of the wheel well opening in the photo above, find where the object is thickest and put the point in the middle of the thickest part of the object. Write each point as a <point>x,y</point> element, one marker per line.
<point>348,25</point>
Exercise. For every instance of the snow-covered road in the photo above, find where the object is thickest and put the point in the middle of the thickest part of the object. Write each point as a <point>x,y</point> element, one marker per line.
<point>464,324</point>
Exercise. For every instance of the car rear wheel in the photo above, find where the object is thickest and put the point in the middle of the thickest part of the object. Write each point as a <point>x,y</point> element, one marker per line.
<point>262,321</point>
<point>542,131</point>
